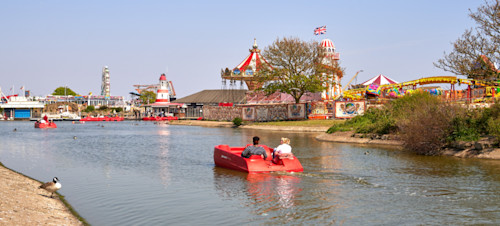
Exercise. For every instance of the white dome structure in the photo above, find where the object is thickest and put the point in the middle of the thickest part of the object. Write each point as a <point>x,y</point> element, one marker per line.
<point>328,44</point>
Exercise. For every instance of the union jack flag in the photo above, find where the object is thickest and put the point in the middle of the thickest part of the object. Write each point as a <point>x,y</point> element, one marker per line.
<point>320,30</point>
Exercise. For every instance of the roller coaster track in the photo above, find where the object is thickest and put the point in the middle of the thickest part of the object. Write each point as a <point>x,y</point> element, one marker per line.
<point>427,80</point>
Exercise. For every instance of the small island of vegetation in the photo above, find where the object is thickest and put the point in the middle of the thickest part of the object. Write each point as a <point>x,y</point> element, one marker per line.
<point>427,125</point>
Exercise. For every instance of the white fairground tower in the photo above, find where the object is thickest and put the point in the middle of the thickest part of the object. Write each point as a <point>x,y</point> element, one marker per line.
<point>162,95</point>
<point>105,82</point>
<point>333,89</point>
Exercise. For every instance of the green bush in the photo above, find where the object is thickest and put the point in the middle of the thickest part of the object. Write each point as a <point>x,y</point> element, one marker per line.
<point>425,128</point>
<point>237,121</point>
<point>117,109</point>
<point>494,128</point>
<point>466,128</point>
<point>89,109</point>
<point>374,120</point>
<point>424,123</point>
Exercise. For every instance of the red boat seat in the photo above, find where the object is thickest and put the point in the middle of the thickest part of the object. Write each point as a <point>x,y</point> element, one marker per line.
<point>255,157</point>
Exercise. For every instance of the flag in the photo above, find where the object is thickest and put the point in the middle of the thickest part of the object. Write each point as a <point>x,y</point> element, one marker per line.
<point>320,30</point>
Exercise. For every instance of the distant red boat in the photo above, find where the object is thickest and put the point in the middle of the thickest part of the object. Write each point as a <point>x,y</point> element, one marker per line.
<point>159,118</point>
<point>230,157</point>
<point>45,125</point>
<point>102,119</point>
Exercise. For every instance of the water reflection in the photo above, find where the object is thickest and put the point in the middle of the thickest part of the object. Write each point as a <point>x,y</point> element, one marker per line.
<point>163,140</point>
<point>267,194</point>
<point>280,189</point>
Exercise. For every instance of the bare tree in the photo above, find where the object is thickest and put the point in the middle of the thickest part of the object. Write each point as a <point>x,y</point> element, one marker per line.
<point>297,68</point>
<point>474,53</point>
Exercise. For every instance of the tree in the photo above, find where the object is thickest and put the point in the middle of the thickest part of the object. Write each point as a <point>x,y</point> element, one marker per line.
<point>148,97</point>
<point>474,52</point>
<point>297,68</point>
<point>64,91</point>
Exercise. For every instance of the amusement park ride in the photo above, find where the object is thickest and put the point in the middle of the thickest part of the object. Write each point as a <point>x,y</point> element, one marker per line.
<point>391,89</point>
<point>154,87</point>
<point>399,89</point>
<point>356,75</point>
<point>247,70</point>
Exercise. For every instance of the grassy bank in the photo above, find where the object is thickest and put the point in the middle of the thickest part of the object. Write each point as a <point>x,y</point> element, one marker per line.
<point>425,124</point>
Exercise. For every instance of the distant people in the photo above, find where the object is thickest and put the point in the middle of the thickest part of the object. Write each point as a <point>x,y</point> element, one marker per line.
<point>254,149</point>
<point>283,149</point>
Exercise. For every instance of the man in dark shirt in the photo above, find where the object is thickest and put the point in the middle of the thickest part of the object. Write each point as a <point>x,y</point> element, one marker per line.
<point>254,149</point>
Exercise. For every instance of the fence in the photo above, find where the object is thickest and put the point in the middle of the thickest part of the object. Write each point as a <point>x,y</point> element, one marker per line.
<point>256,112</point>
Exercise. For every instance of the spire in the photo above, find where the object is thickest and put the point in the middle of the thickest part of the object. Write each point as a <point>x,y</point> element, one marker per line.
<point>255,43</point>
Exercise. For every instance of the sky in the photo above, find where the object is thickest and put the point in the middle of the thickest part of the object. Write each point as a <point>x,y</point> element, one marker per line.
<point>47,44</point>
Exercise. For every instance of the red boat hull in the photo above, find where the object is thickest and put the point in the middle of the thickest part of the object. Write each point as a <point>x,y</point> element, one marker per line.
<point>49,125</point>
<point>102,119</point>
<point>165,118</point>
<point>230,157</point>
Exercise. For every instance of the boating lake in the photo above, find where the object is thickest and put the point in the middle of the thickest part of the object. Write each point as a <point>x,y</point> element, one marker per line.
<point>142,173</point>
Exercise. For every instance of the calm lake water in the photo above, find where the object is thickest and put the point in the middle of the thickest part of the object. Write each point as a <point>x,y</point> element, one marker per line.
<point>138,173</point>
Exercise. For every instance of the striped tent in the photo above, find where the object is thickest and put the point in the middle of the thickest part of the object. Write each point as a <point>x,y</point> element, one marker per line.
<point>379,80</point>
<point>253,61</point>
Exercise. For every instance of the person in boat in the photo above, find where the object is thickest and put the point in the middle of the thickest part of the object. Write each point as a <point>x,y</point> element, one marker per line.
<point>254,149</point>
<point>45,119</point>
<point>284,149</point>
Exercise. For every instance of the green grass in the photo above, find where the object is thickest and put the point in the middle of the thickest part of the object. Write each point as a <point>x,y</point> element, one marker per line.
<point>303,123</point>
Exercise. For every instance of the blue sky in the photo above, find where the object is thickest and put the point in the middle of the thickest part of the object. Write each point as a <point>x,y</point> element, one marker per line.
<point>47,44</point>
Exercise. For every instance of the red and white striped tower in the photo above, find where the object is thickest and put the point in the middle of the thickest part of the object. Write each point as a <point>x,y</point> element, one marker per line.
<point>162,95</point>
<point>333,88</point>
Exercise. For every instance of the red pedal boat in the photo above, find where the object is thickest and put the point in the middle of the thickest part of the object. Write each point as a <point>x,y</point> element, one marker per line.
<point>230,157</point>
<point>159,118</point>
<point>45,125</point>
<point>102,119</point>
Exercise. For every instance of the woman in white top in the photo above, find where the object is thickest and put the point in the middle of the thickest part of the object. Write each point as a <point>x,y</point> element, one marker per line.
<point>283,148</point>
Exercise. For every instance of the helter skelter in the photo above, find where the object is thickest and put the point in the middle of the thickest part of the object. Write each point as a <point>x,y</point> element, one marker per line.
<point>247,70</point>
<point>330,59</point>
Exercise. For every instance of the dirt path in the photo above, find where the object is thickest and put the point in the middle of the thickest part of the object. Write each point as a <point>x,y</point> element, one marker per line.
<point>201,123</point>
<point>22,203</point>
<point>346,137</point>
<point>230,124</point>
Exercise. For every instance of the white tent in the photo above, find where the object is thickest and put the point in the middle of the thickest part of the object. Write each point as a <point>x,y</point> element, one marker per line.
<point>380,80</point>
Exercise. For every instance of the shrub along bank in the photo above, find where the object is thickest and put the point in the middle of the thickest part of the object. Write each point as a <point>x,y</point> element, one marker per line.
<point>425,124</point>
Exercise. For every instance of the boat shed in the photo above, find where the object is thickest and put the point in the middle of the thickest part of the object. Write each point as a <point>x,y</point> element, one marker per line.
<point>21,108</point>
<point>220,97</point>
